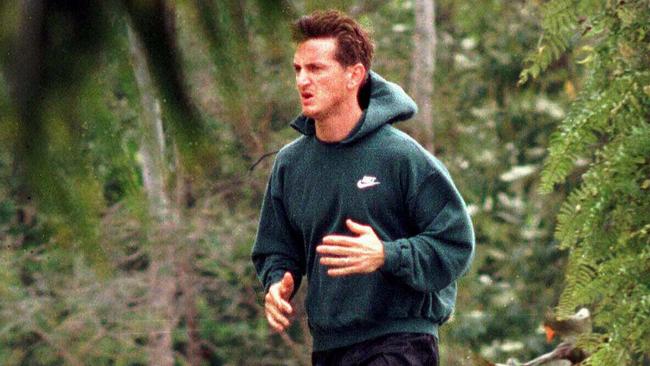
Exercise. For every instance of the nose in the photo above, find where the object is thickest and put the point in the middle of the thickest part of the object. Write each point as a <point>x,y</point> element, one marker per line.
<point>302,79</point>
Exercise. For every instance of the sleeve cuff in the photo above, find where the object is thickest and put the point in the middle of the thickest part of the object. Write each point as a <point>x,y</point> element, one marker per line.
<point>277,276</point>
<point>272,278</point>
<point>392,256</point>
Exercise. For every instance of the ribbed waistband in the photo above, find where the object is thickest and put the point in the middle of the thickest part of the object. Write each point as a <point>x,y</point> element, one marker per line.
<point>341,337</point>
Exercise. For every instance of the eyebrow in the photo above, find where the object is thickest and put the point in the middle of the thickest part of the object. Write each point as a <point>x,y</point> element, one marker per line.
<point>321,64</point>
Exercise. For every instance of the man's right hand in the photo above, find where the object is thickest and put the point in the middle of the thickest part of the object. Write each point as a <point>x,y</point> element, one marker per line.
<point>276,303</point>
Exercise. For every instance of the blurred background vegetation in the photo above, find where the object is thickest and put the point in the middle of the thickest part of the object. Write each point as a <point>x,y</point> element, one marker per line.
<point>131,181</point>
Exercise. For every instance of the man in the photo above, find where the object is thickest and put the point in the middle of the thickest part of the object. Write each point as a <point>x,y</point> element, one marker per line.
<point>370,217</point>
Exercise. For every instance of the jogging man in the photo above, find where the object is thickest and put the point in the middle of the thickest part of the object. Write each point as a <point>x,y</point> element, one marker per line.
<point>370,217</point>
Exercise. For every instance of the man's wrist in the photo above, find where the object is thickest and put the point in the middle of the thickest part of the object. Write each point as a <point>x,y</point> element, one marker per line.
<point>382,255</point>
<point>273,278</point>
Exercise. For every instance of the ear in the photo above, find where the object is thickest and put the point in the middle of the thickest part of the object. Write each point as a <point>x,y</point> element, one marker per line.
<point>356,74</point>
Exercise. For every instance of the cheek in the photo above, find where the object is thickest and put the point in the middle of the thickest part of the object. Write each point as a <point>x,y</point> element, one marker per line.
<point>331,87</point>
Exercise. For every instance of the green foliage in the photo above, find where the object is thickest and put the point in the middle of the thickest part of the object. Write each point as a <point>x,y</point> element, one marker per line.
<point>238,71</point>
<point>589,119</point>
<point>560,19</point>
<point>559,23</point>
<point>109,320</point>
<point>605,222</point>
<point>489,130</point>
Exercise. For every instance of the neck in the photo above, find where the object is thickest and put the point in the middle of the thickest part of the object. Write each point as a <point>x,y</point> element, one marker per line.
<point>336,126</point>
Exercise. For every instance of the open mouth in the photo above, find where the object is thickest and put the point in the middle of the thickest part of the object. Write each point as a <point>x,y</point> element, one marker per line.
<point>306,96</point>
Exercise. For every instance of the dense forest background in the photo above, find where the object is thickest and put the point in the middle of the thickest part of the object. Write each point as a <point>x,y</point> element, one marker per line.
<point>136,139</point>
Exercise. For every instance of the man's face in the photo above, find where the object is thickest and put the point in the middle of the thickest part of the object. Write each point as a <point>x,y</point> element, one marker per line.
<point>321,80</point>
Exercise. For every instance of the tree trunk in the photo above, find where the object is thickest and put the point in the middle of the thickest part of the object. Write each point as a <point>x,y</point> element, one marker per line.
<point>186,275</point>
<point>162,268</point>
<point>423,61</point>
<point>187,283</point>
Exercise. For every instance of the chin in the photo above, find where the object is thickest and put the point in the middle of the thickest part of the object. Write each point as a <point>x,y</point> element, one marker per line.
<point>310,113</point>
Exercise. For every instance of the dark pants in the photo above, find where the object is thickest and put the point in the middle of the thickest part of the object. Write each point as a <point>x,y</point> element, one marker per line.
<point>407,349</point>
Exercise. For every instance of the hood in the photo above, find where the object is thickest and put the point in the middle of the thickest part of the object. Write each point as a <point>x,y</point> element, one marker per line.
<point>386,103</point>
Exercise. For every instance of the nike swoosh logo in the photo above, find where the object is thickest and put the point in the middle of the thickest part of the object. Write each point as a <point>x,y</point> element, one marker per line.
<point>367,182</point>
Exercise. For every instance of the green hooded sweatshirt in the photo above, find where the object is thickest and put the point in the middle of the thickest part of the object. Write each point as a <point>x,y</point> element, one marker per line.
<point>377,176</point>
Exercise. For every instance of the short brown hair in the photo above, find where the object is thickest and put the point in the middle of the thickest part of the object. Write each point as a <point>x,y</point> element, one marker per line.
<point>353,42</point>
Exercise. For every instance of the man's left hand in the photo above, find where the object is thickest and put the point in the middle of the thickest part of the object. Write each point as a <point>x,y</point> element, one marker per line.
<point>348,255</point>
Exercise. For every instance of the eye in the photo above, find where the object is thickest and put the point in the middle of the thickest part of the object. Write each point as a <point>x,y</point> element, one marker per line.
<point>296,68</point>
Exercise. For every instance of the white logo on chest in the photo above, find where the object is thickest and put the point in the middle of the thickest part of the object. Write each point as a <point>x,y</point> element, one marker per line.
<point>366,182</point>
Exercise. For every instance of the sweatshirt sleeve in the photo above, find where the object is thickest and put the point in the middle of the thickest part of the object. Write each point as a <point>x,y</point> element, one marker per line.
<point>277,248</point>
<point>444,246</point>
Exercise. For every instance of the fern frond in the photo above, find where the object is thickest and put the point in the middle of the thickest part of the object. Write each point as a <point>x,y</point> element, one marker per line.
<point>605,222</point>
<point>559,21</point>
<point>580,272</point>
<point>607,355</point>
<point>590,116</point>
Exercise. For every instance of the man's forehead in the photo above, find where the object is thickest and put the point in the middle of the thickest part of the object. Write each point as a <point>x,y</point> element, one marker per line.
<point>315,49</point>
